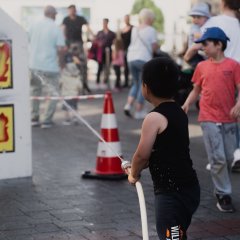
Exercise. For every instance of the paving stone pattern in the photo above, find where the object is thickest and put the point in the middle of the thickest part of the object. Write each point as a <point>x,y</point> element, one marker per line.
<point>57,204</point>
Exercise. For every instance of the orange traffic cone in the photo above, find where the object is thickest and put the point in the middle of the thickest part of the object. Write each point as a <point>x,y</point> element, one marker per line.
<point>108,165</point>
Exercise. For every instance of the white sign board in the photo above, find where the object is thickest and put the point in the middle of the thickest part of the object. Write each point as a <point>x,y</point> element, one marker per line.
<point>15,127</point>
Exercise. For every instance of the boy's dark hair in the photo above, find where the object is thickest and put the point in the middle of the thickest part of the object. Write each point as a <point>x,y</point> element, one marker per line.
<point>161,76</point>
<point>233,5</point>
<point>106,20</point>
<point>71,6</point>
<point>215,42</point>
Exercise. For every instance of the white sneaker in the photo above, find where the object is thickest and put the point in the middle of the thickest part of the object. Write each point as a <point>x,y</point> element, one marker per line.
<point>140,114</point>
<point>236,161</point>
<point>208,166</point>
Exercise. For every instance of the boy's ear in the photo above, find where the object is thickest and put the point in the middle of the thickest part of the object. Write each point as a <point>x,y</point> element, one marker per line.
<point>220,44</point>
<point>144,85</point>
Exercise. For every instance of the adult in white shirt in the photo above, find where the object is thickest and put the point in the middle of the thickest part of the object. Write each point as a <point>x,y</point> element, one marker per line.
<point>143,44</point>
<point>46,48</point>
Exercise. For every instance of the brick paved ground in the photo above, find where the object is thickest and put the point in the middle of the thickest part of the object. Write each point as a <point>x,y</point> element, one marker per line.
<point>56,203</point>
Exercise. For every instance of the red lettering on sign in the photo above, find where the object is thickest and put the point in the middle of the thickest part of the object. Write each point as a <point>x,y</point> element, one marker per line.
<point>4,58</point>
<point>3,128</point>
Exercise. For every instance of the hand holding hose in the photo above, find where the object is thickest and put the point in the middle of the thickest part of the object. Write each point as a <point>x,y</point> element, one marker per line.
<point>126,166</point>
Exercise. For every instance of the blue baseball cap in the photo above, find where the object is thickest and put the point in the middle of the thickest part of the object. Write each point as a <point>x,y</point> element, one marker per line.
<point>215,33</point>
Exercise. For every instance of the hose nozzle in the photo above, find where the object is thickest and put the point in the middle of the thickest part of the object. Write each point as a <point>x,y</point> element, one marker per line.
<point>125,164</point>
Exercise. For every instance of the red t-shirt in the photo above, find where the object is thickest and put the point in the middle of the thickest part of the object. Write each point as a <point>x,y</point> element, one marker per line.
<point>218,87</point>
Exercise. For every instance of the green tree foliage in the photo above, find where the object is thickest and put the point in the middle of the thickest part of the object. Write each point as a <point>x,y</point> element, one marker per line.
<point>159,19</point>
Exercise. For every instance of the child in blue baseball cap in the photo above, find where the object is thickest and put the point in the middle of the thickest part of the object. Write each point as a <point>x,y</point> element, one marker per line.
<point>217,79</point>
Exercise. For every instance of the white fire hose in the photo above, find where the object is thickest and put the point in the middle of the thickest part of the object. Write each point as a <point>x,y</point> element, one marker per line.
<point>142,205</point>
<point>125,164</point>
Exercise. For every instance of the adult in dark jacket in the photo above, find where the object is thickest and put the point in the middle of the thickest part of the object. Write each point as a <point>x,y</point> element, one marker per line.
<point>105,38</point>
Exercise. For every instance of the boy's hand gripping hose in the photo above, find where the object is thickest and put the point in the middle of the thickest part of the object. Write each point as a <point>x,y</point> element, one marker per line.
<point>142,205</point>
<point>125,165</point>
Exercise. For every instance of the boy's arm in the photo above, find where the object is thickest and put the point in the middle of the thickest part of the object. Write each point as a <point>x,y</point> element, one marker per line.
<point>192,51</point>
<point>235,111</point>
<point>192,97</point>
<point>152,125</point>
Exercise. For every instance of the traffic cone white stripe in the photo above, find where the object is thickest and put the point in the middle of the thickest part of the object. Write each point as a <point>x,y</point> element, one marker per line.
<point>110,150</point>
<point>108,121</point>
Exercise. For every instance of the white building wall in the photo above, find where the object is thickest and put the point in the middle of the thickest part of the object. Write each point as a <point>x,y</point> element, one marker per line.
<point>15,161</point>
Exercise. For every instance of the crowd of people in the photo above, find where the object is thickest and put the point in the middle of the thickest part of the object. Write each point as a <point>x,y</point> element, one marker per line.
<point>213,54</point>
<point>58,60</point>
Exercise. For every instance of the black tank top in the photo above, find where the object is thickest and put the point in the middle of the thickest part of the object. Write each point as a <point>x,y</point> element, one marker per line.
<point>170,163</point>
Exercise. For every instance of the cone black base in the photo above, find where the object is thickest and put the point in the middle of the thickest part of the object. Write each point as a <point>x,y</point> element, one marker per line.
<point>92,175</point>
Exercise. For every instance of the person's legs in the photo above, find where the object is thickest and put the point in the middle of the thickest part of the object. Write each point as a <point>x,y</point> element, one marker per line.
<point>140,98</point>
<point>136,71</point>
<point>83,68</point>
<point>174,212</point>
<point>230,142</point>
<point>69,115</point>
<point>216,137</point>
<point>52,85</point>
<point>140,112</point>
<point>214,144</point>
<point>74,105</point>
<point>126,72</point>
<point>100,68</point>
<point>36,87</point>
<point>117,71</point>
<point>107,65</point>
<point>133,90</point>
<point>101,65</point>
<point>136,89</point>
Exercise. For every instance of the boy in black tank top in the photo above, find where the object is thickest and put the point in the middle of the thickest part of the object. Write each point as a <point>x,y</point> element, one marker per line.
<point>164,147</point>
